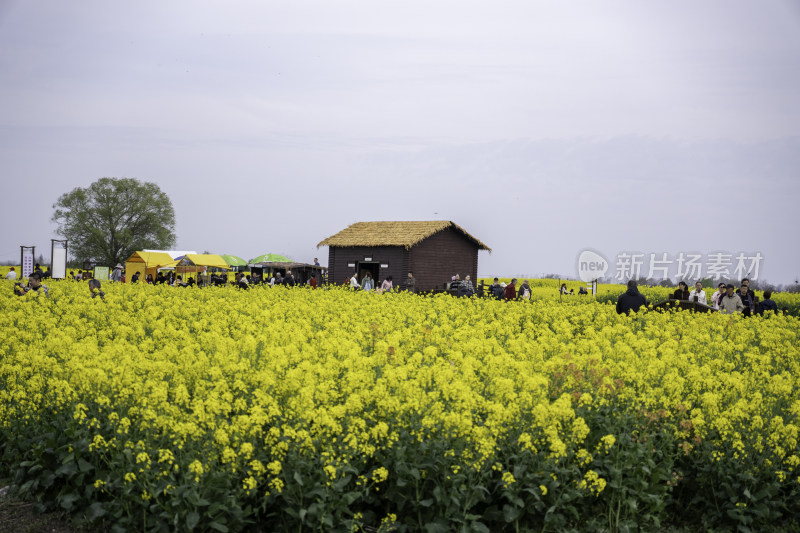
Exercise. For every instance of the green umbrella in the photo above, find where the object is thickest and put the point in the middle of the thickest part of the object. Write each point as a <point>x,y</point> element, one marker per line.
<point>270,258</point>
<point>233,260</point>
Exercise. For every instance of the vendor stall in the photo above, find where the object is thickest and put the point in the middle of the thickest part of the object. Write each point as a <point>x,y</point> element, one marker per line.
<point>198,264</point>
<point>146,263</point>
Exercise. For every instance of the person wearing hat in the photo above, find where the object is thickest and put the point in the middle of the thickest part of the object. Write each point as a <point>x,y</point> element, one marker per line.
<point>731,302</point>
<point>12,274</point>
<point>116,275</point>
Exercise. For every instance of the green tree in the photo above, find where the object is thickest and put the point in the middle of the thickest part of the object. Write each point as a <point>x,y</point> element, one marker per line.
<point>114,217</point>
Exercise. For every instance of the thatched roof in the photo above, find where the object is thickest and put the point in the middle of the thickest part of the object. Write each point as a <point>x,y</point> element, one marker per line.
<point>403,233</point>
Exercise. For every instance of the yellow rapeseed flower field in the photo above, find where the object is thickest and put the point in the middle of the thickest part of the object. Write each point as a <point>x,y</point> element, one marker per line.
<point>165,409</point>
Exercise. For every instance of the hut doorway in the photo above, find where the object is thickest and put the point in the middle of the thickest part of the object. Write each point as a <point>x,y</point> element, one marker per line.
<point>373,267</point>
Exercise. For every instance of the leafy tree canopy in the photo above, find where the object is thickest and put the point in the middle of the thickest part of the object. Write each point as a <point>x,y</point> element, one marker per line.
<point>114,217</point>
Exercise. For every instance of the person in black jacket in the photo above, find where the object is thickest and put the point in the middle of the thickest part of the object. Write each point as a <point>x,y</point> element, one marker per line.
<point>748,299</point>
<point>682,292</point>
<point>767,304</point>
<point>497,290</point>
<point>631,300</point>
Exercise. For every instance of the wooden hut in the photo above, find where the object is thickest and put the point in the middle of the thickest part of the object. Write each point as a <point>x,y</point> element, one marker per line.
<point>433,250</point>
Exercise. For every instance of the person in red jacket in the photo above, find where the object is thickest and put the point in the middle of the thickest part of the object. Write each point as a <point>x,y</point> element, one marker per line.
<point>511,290</point>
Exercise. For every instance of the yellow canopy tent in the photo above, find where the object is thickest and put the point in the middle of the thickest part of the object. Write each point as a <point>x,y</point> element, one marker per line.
<point>199,263</point>
<point>145,263</point>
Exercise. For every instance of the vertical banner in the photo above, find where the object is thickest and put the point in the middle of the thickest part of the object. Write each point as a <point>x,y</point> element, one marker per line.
<point>59,263</point>
<point>27,260</point>
<point>58,259</point>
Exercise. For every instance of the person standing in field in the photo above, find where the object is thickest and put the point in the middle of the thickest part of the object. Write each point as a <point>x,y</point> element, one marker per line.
<point>511,290</point>
<point>34,284</point>
<point>748,299</point>
<point>312,281</point>
<point>354,281</point>
<point>731,302</point>
<point>466,288</point>
<point>717,296</point>
<point>116,274</point>
<point>497,290</point>
<point>12,274</point>
<point>386,286</point>
<point>698,295</point>
<point>682,292</point>
<point>94,289</point>
<point>524,291</point>
<point>288,280</point>
<point>767,304</point>
<point>631,300</point>
<point>411,283</point>
<point>455,284</point>
<point>367,283</point>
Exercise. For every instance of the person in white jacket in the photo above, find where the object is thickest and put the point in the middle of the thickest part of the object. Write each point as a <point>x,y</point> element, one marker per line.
<point>698,294</point>
<point>717,296</point>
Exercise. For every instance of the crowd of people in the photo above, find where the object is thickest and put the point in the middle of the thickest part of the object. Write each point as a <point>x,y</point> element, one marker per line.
<point>369,284</point>
<point>727,298</point>
<point>171,278</point>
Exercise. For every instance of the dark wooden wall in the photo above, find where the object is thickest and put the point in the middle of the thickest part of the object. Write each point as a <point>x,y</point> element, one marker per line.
<point>436,259</point>
<point>395,256</point>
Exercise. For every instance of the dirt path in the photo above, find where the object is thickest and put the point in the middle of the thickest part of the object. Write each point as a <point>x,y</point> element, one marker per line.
<point>21,517</point>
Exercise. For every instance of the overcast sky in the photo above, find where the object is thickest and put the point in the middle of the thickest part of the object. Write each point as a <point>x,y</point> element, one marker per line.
<point>542,128</point>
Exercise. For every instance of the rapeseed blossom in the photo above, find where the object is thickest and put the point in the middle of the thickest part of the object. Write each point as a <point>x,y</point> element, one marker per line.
<point>277,388</point>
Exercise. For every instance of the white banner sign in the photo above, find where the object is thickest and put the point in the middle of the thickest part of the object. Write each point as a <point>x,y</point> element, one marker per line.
<point>59,268</point>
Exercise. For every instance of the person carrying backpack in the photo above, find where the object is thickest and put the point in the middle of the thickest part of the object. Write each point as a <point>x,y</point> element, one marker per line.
<point>524,291</point>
